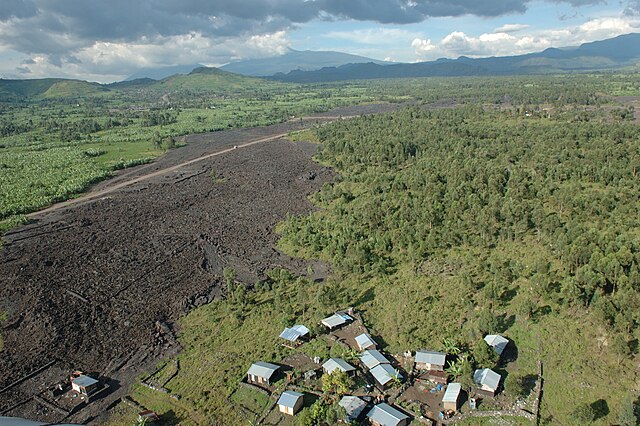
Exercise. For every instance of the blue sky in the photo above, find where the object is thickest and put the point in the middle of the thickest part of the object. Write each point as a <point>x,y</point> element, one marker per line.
<point>107,40</point>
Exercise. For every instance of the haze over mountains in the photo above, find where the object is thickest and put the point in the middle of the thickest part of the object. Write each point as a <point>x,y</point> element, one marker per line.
<point>619,52</point>
<point>304,67</point>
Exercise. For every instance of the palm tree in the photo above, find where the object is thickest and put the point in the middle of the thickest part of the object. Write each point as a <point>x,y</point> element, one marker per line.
<point>450,347</point>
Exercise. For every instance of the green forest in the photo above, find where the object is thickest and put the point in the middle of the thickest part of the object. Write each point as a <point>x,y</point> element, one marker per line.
<point>455,223</point>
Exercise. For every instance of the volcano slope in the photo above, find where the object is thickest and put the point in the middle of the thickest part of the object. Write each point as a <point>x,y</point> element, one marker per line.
<point>98,284</point>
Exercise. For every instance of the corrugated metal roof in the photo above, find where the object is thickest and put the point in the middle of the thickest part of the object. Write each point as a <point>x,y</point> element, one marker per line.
<point>487,377</point>
<point>289,398</point>
<point>262,369</point>
<point>332,363</point>
<point>301,329</point>
<point>386,415</point>
<point>354,406</point>
<point>294,333</point>
<point>497,342</point>
<point>84,381</point>
<point>431,357</point>
<point>372,357</point>
<point>384,373</point>
<point>452,393</point>
<point>365,341</point>
<point>336,320</point>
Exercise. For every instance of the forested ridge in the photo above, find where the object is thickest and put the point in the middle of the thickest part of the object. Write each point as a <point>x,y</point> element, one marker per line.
<point>459,222</point>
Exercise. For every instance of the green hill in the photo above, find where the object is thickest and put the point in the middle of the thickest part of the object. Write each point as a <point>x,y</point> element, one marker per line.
<point>73,89</point>
<point>213,79</point>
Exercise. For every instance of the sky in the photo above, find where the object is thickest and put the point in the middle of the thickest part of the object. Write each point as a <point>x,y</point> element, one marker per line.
<point>108,40</point>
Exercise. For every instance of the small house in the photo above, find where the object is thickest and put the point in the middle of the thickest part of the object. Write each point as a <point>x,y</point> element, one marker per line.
<point>487,380</point>
<point>84,385</point>
<point>364,342</point>
<point>384,374</point>
<point>430,360</point>
<point>261,373</point>
<point>354,407</point>
<point>290,402</point>
<point>333,364</point>
<point>372,357</point>
<point>497,342</point>
<point>385,415</point>
<point>295,333</point>
<point>451,397</point>
<point>336,320</point>
<point>148,417</point>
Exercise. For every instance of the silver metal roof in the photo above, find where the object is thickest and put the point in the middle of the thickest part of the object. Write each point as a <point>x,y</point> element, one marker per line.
<point>430,357</point>
<point>262,369</point>
<point>386,415</point>
<point>336,320</point>
<point>294,333</point>
<point>452,393</point>
<point>384,373</point>
<point>289,398</point>
<point>497,342</point>
<point>372,357</point>
<point>337,363</point>
<point>84,381</point>
<point>365,341</point>
<point>487,377</point>
<point>354,406</point>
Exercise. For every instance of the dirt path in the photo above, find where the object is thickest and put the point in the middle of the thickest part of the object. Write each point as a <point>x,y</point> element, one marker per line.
<point>117,186</point>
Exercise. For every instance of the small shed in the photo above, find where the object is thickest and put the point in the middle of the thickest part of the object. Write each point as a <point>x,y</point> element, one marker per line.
<point>385,415</point>
<point>354,407</point>
<point>430,360</point>
<point>148,417</point>
<point>295,333</point>
<point>336,320</point>
<point>290,402</point>
<point>261,373</point>
<point>84,385</point>
<point>384,374</point>
<point>497,342</point>
<point>451,397</point>
<point>333,364</point>
<point>487,380</point>
<point>364,341</point>
<point>372,357</point>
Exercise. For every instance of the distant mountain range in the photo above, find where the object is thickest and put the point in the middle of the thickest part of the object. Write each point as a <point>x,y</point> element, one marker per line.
<point>160,73</point>
<point>307,60</point>
<point>619,52</point>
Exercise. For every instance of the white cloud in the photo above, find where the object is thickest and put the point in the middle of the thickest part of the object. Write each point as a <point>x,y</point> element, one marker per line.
<point>110,61</point>
<point>374,36</point>
<point>422,46</point>
<point>504,41</point>
<point>511,28</point>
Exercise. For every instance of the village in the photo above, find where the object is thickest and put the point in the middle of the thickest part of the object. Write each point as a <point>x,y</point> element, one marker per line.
<point>371,386</point>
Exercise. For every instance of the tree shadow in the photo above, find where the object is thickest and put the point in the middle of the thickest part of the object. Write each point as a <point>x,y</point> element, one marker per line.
<point>365,297</point>
<point>600,409</point>
<point>541,312</point>
<point>169,419</point>
<point>508,295</point>
<point>505,322</point>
